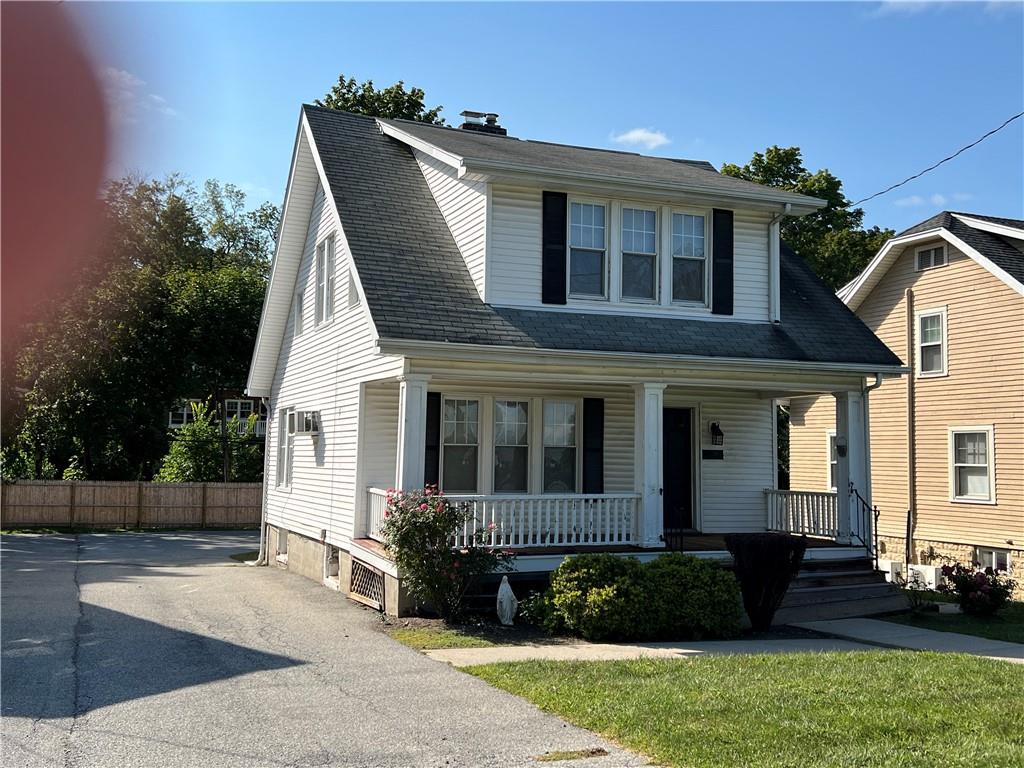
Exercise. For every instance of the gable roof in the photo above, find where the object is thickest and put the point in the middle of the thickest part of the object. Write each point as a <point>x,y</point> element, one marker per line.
<point>418,289</point>
<point>986,239</point>
<point>484,152</point>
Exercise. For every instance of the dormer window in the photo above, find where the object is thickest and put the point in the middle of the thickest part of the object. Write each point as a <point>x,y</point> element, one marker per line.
<point>689,259</point>
<point>639,254</point>
<point>587,251</point>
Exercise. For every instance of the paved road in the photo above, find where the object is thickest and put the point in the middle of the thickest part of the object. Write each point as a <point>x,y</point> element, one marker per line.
<point>158,650</point>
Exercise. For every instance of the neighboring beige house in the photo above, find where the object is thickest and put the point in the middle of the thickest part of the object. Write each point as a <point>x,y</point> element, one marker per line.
<point>947,441</point>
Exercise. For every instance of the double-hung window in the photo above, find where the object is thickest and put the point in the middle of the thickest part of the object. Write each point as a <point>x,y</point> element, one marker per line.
<point>971,464</point>
<point>587,251</point>
<point>996,559</point>
<point>181,415</point>
<point>833,460</point>
<point>931,342</point>
<point>931,257</point>
<point>298,309</point>
<point>559,446</point>
<point>325,280</point>
<point>460,446</point>
<point>285,445</point>
<point>689,258</point>
<point>511,446</point>
<point>639,254</point>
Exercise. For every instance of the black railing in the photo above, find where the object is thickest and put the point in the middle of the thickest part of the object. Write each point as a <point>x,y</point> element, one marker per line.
<point>865,518</point>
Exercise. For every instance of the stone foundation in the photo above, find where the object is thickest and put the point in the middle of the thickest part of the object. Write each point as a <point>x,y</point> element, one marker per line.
<point>929,552</point>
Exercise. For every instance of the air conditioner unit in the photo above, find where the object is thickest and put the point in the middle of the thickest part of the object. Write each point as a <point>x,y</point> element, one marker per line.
<point>893,570</point>
<point>307,422</point>
<point>929,576</point>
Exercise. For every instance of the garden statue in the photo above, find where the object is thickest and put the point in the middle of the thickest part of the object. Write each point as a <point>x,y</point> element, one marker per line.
<point>507,603</point>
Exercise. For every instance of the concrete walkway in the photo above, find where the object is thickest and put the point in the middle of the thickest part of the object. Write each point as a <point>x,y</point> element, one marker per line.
<point>467,657</point>
<point>891,635</point>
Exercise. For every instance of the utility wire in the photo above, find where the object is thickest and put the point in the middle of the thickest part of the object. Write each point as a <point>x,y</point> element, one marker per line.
<point>943,160</point>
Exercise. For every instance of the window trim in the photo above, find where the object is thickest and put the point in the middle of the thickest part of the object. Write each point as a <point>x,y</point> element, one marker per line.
<point>657,255</point>
<point>918,345</point>
<point>830,435</point>
<point>495,399</point>
<point>931,247</point>
<point>708,261</point>
<point>606,280</point>
<point>479,400</point>
<point>283,472</point>
<point>990,448</point>
<point>326,267</point>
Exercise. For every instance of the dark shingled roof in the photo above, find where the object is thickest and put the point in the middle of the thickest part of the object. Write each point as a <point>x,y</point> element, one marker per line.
<point>418,288</point>
<point>475,145</point>
<point>990,245</point>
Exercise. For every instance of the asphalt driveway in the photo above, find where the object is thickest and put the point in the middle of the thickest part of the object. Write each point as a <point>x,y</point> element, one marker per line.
<point>140,649</point>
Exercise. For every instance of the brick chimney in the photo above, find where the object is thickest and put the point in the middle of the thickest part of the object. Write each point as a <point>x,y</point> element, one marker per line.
<point>482,122</point>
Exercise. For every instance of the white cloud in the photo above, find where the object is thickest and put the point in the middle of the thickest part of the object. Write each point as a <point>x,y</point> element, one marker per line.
<point>909,202</point>
<point>902,8</point>
<point>935,199</point>
<point>648,138</point>
<point>127,98</point>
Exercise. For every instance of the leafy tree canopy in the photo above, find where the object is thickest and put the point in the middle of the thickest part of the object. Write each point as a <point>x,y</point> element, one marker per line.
<point>392,102</point>
<point>832,240</point>
<point>196,454</point>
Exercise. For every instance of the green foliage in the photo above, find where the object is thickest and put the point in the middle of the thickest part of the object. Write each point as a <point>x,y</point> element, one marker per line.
<point>418,531</point>
<point>392,102</point>
<point>832,240</point>
<point>675,597</point>
<point>765,564</point>
<point>196,454</point>
<point>979,592</point>
<point>170,309</point>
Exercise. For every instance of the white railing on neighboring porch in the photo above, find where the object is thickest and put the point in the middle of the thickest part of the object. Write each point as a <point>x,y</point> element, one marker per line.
<point>547,520</point>
<point>814,513</point>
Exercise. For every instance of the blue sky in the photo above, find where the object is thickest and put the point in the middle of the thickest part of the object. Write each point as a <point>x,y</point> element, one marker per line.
<point>872,91</point>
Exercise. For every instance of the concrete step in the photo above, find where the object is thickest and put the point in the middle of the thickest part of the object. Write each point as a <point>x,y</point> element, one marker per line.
<point>836,578</point>
<point>845,564</point>
<point>870,606</point>
<point>835,594</point>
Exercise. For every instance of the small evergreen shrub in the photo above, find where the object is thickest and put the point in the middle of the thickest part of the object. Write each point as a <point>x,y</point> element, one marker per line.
<point>598,596</point>
<point>690,598</point>
<point>765,564</point>
<point>978,592</point>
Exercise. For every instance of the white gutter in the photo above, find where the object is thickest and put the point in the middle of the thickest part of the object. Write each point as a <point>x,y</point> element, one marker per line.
<point>774,267</point>
<point>451,350</point>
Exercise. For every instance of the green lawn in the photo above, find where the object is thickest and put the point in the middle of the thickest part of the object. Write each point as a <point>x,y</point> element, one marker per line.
<point>423,638</point>
<point>856,710</point>
<point>1007,625</point>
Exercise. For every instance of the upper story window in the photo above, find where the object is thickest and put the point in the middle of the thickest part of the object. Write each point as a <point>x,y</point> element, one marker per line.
<point>689,258</point>
<point>237,408</point>
<point>931,343</point>
<point>181,415</point>
<point>587,250</point>
<point>325,280</point>
<point>639,254</point>
<point>933,256</point>
<point>298,310</point>
<point>971,464</point>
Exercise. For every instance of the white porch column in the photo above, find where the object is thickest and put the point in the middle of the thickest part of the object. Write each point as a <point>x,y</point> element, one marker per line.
<point>853,467</point>
<point>650,399</point>
<point>412,431</point>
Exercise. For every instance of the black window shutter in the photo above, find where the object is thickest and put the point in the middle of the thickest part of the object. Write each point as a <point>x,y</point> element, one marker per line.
<point>432,452</point>
<point>721,262</point>
<point>593,445</point>
<point>553,228</point>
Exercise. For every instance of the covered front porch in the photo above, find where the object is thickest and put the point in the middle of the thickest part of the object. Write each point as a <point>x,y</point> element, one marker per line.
<point>554,464</point>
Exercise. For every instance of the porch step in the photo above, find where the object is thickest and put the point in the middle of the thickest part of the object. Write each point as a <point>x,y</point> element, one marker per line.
<point>846,564</point>
<point>870,606</point>
<point>839,589</point>
<point>843,593</point>
<point>836,578</point>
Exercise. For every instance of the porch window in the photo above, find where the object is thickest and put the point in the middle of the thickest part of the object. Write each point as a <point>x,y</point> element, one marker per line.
<point>460,447</point>
<point>971,464</point>
<point>181,415</point>
<point>325,280</point>
<point>689,258</point>
<point>559,446</point>
<point>285,446</point>
<point>833,460</point>
<point>511,446</point>
<point>240,408</point>
<point>639,253</point>
<point>931,329</point>
<point>587,250</point>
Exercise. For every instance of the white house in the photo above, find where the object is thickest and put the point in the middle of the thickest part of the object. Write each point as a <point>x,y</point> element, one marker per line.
<point>586,345</point>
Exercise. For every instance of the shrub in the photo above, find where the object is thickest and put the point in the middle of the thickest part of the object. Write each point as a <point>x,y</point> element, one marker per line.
<point>765,564</point>
<point>690,598</point>
<point>980,593</point>
<point>604,597</point>
<point>418,531</point>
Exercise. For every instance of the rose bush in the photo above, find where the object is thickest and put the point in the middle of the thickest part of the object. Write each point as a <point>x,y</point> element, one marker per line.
<point>979,592</point>
<point>418,529</point>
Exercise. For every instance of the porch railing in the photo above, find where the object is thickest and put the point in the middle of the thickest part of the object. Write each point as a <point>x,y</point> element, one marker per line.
<point>544,520</point>
<point>814,513</point>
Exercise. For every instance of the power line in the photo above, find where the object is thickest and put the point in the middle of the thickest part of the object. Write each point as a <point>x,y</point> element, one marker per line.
<point>943,160</point>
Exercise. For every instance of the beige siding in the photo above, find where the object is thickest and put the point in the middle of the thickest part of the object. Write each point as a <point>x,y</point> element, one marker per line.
<point>810,420</point>
<point>464,207</point>
<point>984,386</point>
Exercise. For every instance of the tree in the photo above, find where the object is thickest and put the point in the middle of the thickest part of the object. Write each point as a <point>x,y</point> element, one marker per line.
<point>393,101</point>
<point>832,240</point>
<point>196,454</point>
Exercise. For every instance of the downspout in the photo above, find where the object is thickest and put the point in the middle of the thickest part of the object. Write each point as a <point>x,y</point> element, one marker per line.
<point>911,430</point>
<point>869,495</point>
<point>774,268</point>
<point>261,559</point>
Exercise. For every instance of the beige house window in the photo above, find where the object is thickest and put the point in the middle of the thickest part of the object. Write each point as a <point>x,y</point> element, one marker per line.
<point>971,461</point>
<point>931,343</point>
<point>932,256</point>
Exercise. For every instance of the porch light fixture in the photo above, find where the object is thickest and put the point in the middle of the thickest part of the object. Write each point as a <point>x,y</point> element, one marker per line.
<point>717,436</point>
<point>841,446</point>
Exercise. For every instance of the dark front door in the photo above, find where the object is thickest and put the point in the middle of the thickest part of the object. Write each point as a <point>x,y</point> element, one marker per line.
<point>677,477</point>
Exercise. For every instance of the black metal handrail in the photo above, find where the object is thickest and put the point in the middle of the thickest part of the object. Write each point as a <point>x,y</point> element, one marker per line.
<point>865,511</point>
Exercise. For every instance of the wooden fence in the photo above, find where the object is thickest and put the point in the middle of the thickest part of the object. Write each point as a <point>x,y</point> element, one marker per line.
<point>107,505</point>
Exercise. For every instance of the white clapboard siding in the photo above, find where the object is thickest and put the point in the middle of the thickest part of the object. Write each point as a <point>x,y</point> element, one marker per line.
<point>514,267</point>
<point>463,204</point>
<point>380,437</point>
<point>322,370</point>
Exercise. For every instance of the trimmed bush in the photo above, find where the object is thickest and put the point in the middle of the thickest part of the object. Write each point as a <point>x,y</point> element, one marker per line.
<point>979,592</point>
<point>765,564</point>
<point>677,596</point>
<point>690,598</point>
